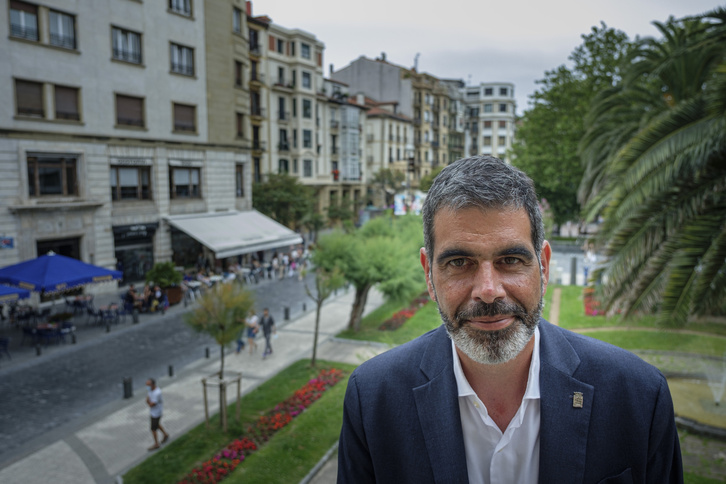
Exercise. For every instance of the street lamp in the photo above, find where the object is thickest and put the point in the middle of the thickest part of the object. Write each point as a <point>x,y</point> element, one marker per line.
<point>411,153</point>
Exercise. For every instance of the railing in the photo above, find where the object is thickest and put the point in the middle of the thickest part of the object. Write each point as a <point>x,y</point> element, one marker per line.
<point>257,111</point>
<point>258,77</point>
<point>283,115</point>
<point>184,69</point>
<point>67,41</point>
<point>258,145</point>
<point>130,121</point>
<point>127,55</point>
<point>184,127</point>
<point>30,112</point>
<point>283,146</point>
<point>67,115</point>
<point>24,32</point>
<point>334,124</point>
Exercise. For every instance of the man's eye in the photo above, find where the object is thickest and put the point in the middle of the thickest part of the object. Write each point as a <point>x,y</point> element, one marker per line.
<point>511,260</point>
<point>457,262</point>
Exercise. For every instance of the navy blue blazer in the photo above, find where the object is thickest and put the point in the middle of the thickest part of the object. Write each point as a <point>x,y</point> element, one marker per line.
<point>401,418</point>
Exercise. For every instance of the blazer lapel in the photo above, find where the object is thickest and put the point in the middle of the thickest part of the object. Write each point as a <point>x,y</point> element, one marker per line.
<point>565,409</point>
<point>438,411</point>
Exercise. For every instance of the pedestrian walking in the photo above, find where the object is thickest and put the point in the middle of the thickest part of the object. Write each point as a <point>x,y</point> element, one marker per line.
<point>253,326</point>
<point>268,329</point>
<point>156,408</point>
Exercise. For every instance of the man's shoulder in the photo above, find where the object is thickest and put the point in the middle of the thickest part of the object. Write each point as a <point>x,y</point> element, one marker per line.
<point>404,362</point>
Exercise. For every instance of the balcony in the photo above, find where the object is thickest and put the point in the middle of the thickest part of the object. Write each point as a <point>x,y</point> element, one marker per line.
<point>334,150</point>
<point>257,77</point>
<point>283,116</point>
<point>256,50</point>
<point>258,145</point>
<point>257,111</point>
<point>285,146</point>
<point>334,124</point>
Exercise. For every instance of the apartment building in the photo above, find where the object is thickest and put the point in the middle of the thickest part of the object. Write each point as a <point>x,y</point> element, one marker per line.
<point>110,150</point>
<point>490,118</point>
<point>431,103</point>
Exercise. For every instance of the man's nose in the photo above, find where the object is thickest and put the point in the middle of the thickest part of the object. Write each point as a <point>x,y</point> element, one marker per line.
<point>487,285</point>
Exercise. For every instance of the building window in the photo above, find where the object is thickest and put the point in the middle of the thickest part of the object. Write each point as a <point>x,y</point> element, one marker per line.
<point>307,168</point>
<point>126,45</point>
<point>307,108</point>
<point>238,73</point>
<point>23,20</point>
<point>239,180</point>
<point>182,60</point>
<point>254,41</point>
<point>184,183</point>
<point>185,117</point>
<point>488,108</point>
<point>502,124</point>
<point>29,98</point>
<point>305,50</point>
<point>284,144</point>
<point>51,175</point>
<point>130,183</point>
<point>129,111</point>
<point>502,108</point>
<point>306,80</point>
<point>501,141</point>
<point>236,20</point>
<point>182,7</point>
<point>283,166</point>
<point>240,125</point>
<point>62,29</point>
<point>294,165</point>
<point>307,138</point>
<point>488,91</point>
<point>503,91</point>
<point>281,76</point>
<point>280,46</point>
<point>66,103</point>
<point>487,141</point>
<point>487,125</point>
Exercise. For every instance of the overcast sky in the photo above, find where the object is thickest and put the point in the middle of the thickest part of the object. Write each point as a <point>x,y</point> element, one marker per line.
<point>476,41</point>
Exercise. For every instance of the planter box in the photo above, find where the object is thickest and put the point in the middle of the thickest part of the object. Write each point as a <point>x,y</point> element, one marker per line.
<point>174,295</point>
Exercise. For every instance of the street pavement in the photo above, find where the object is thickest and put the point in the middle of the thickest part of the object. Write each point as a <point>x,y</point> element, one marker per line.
<point>98,442</point>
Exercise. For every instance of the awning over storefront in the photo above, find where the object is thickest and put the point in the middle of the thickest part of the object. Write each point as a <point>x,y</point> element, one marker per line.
<point>233,233</point>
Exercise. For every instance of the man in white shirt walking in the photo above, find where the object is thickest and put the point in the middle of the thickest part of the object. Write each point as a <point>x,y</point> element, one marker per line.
<point>156,407</point>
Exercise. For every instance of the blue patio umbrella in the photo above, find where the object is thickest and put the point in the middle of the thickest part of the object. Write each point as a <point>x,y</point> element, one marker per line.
<point>53,273</point>
<point>9,294</point>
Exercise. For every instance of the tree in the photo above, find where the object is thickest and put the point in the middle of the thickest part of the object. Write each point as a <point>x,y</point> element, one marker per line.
<point>388,182</point>
<point>342,212</point>
<point>383,252</point>
<point>221,314</point>
<point>283,198</point>
<point>660,184</point>
<point>326,281</point>
<point>428,179</point>
<point>546,147</point>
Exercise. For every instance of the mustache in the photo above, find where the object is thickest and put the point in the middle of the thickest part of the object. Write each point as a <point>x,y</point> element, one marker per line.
<point>482,309</point>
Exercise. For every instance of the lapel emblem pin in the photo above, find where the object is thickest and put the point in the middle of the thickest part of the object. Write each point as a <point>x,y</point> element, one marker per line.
<point>577,400</point>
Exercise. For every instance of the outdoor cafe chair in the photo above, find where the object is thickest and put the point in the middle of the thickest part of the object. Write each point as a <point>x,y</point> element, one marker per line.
<point>4,343</point>
<point>94,315</point>
<point>66,327</point>
<point>30,334</point>
<point>49,335</point>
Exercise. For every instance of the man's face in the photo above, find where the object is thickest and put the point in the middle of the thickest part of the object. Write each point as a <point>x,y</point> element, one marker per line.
<point>487,281</point>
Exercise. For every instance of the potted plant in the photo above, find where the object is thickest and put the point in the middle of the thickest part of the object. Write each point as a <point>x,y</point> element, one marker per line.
<point>165,275</point>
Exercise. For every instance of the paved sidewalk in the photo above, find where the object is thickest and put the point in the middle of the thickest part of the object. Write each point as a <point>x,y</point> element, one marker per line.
<point>105,446</point>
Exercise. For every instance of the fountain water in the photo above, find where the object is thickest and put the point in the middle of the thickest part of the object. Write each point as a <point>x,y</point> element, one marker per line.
<point>716,375</point>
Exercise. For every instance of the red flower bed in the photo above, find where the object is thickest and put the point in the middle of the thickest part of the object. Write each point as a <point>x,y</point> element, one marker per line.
<point>397,320</point>
<point>222,464</point>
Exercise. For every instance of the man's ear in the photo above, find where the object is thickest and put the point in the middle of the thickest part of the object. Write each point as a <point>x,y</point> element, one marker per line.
<point>545,257</point>
<point>427,272</point>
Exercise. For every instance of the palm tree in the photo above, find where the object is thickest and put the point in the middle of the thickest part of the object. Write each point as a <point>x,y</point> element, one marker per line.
<point>655,164</point>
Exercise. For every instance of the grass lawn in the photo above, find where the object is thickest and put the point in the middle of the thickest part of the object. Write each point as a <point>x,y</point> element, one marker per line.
<point>311,434</point>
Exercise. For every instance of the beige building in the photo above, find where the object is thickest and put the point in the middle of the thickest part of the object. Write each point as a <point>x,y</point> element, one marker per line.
<point>491,119</point>
<point>108,141</point>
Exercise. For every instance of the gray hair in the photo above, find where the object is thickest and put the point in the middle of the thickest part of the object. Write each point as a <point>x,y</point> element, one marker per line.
<point>484,182</point>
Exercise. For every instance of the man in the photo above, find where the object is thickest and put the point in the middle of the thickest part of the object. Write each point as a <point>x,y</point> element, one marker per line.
<point>156,407</point>
<point>268,328</point>
<point>497,394</point>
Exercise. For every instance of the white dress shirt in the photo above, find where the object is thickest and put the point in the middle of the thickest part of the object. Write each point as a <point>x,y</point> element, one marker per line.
<point>493,457</point>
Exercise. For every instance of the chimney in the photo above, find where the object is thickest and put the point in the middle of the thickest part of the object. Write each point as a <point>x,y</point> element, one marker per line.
<point>248,5</point>
<point>331,69</point>
<point>360,98</point>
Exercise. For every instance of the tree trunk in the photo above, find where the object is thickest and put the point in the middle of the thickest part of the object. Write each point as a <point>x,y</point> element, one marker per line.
<point>221,367</point>
<point>361,296</point>
<point>318,305</point>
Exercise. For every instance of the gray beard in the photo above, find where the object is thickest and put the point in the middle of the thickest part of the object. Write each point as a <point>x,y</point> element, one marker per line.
<point>492,347</point>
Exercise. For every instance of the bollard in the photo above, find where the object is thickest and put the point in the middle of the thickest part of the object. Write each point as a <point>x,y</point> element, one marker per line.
<point>573,271</point>
<point>287,313</point>
<point>37,350</point>
<point>108,328</point>
<point>135,316</point>
<point>206,352</point>
<point>73,338</point>
<point>305,308</point>
<point>128,387</point>
<point>171,370</point>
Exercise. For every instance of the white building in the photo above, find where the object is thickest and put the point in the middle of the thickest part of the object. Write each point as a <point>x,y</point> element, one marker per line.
<point>491,119</point>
